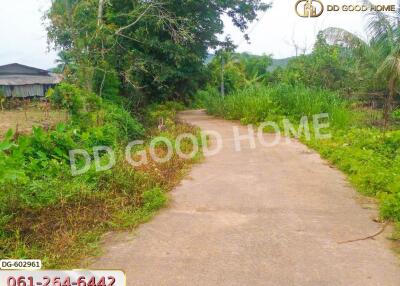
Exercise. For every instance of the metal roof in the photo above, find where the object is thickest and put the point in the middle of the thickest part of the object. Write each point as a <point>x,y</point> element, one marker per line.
<point>18,69</point>
<point>30,79</point>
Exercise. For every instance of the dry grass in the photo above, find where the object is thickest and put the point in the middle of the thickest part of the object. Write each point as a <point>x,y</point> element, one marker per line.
<point>25,120</point>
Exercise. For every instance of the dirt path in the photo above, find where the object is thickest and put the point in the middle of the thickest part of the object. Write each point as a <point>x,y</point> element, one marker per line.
<point>264,216</point>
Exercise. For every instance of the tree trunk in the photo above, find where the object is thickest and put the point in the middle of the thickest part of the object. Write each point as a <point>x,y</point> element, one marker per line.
<point>100,12</point>
<point>222,76</point>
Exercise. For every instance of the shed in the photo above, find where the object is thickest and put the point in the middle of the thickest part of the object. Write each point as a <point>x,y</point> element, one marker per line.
<point>20,81</point>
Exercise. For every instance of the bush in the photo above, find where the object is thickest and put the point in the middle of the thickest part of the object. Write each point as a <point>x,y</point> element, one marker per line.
<point>203,96</point>
<point>66,96</point>
<point>165,112</point>
<point>127,126</point>
<point>73,99</point>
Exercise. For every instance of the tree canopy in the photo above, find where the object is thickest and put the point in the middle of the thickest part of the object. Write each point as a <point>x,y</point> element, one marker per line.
<point>151,47</point>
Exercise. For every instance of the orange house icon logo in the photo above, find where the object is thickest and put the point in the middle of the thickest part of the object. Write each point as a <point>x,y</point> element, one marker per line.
<point>309,8</point>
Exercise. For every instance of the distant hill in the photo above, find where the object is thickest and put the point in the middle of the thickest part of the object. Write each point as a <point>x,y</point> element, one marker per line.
<point>279,63</point>
<point>275,62</point>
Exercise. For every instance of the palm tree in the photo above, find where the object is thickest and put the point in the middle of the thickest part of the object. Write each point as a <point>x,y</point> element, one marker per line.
<point>382,50</point>
<point>64,59</point>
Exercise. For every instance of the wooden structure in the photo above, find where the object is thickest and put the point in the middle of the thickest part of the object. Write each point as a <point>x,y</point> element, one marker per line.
<point>19,81</point>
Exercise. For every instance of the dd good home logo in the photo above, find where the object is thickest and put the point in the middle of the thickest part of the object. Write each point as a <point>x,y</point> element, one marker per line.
<point>309,8</point>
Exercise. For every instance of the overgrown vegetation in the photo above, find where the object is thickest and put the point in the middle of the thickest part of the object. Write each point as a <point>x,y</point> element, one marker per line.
<point>261,103</point>
<point>47,213</point>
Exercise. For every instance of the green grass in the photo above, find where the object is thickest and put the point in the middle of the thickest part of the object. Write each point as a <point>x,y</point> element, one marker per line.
<point>371,160</point>
<point>153,200</point>
<point>369,157</point>
<point>260,103</point>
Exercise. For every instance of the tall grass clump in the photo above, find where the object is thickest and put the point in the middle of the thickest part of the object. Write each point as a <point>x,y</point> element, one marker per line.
<point>259,103</point>
<point>298,101</point>
<point>251,105</point>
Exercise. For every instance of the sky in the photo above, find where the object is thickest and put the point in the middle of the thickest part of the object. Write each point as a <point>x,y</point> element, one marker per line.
<point>22,34</point>
<point>278,31</point>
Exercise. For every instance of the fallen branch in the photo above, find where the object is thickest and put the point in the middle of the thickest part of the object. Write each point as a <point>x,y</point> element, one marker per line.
<point>368,237</point>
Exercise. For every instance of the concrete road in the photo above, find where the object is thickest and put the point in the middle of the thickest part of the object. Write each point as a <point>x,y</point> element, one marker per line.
<point>263,216</point>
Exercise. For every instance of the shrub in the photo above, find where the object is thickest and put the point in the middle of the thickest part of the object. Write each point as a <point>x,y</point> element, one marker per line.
<point>92,102</point>
<point>73,99</point>
<point>127,126</point>
<point>66,96</point>
<point>203,96</point>
<point>166,112</point>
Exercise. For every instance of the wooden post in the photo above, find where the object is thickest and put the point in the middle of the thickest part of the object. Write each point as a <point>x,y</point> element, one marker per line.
<point>25,105</point>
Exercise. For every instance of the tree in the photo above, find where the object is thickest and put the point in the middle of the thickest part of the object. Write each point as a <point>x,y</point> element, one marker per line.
<point>156,47</point>
<point>328,66</point>
<point>237,70</point>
